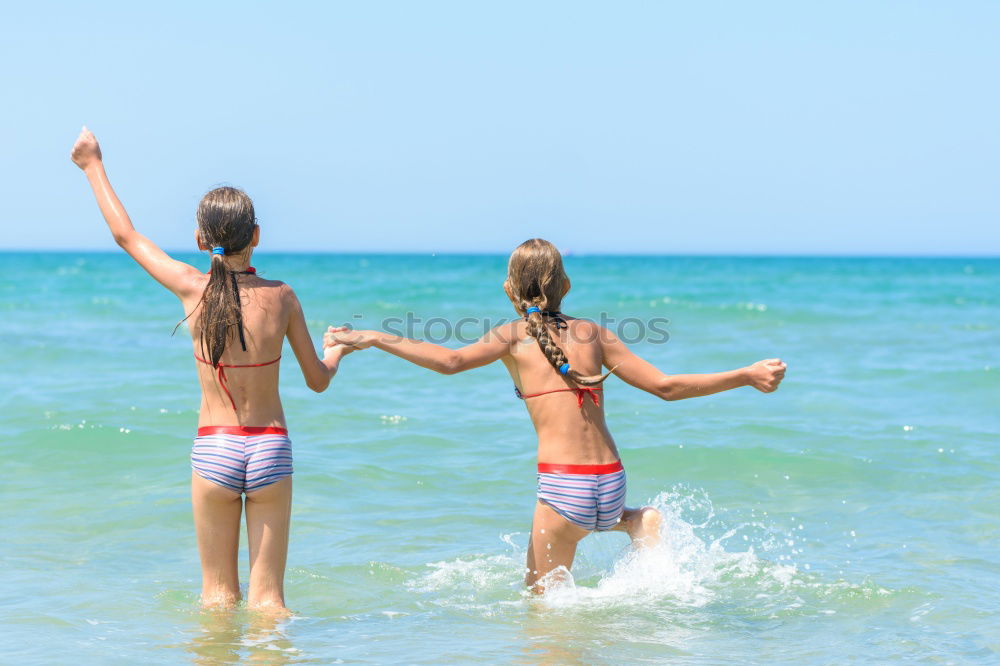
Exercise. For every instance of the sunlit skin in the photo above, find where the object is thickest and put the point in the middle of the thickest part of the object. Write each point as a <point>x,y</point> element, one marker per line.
<point>271,312</point>
<point>566,433</point>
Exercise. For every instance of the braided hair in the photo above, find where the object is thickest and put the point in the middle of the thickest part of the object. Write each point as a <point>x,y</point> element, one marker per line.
<point>536,283</point>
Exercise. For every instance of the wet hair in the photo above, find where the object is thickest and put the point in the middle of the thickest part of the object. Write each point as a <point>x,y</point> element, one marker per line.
<point>225,219</point>
<point>536,280</point>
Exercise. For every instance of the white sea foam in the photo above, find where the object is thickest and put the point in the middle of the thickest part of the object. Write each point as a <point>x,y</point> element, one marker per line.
<point>690,567</point>
<point>686,568</point>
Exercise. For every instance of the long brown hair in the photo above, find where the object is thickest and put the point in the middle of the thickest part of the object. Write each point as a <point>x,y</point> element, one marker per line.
<point>225,219</point>
<point>536,278</point>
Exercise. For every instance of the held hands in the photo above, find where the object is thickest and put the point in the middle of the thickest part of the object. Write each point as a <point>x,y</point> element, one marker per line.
<point>336,352</point>
<point>343,336</point>
<point>86,151</point>
<point>766,375</point>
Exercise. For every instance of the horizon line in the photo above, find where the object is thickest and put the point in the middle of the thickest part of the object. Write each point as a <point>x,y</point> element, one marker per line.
<point>568,254</point>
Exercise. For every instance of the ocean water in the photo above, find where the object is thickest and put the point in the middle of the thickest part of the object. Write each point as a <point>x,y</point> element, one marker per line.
<point>851,517</point>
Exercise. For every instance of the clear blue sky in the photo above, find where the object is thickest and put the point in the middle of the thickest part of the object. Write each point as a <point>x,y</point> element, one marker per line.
<point>664,127</point>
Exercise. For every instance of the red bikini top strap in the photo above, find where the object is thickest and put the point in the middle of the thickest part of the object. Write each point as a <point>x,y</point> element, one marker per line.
<point>248,365</point>
<point>580,392</point>
<point>221,368</point>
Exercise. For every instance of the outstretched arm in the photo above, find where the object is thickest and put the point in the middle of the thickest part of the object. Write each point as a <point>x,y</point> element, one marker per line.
<point>316,371</point>
<point>176,276</point>
<point>492,346</point>
<point>762,375</point>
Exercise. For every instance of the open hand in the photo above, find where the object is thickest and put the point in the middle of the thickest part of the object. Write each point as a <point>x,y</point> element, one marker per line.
<point>767,374</point>
<point>343,335</point>
<point>86,150</point>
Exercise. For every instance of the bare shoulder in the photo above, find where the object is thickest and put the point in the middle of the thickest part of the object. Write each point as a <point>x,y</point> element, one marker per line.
<point>584,330</point>
<point>193,289</point>
<point>284,290</point>
<point>506,333</point>
<point>192,280</point>
<point>276,293</point>
<point>195,282</point>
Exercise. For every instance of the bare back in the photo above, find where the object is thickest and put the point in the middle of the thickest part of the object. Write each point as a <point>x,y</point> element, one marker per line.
<point>266,309</point>
<point>569,431</point>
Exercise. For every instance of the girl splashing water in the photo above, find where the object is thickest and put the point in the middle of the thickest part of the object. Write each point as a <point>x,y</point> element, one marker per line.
<point>238,322</point>
<point>556,361</point>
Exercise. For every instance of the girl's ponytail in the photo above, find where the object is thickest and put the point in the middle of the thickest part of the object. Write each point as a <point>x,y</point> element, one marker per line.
<point>226,224</point>
<point>220,309</point>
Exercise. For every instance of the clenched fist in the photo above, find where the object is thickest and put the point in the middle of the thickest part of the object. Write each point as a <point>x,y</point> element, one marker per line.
<point>86,150</point>
<point>766,375</point>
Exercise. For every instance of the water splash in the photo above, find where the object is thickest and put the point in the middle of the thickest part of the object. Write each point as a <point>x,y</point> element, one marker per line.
<point>687,567</point>
<point>702,559</point>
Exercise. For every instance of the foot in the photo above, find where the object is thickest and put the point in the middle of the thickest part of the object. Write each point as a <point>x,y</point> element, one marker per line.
<point>270,607</point>
<point>644,527</point>
<point>219,600</point>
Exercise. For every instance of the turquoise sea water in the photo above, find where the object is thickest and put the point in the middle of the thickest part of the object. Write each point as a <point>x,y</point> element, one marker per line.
<point>851,517</point>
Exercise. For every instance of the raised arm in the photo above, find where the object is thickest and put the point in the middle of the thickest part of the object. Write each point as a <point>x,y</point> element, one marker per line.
<point>762,375</point>
<point>176,276</point>
<point>491,347</point>
<point>316,371</point>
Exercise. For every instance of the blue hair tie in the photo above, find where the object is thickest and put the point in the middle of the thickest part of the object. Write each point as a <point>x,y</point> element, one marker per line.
<point>533,308</point>
<point>218,250</point>
<point>564,368</point>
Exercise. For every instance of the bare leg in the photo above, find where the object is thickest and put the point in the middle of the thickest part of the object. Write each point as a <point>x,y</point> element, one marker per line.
<point>217,524</point>
<point>643,525</point>
<point>552,544</point>
<point>269,512</point>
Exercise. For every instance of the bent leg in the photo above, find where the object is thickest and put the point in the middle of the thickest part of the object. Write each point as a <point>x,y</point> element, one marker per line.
<point>217,525</point>
<point>643,525</point>
<point>269,511</point>
<point>552,545</point>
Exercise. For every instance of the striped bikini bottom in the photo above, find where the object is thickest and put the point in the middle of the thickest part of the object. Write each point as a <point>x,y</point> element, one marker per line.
<point>242,458</point>
<point>589,496</point>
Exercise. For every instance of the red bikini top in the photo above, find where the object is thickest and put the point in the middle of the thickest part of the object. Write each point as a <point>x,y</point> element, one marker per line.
<point>580,393</point>
<point>592,391</point>
<point>221,367</point>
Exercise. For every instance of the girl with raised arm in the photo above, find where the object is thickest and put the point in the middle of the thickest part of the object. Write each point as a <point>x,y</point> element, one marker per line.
<point>238,322</point>
<point>555,361</point>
